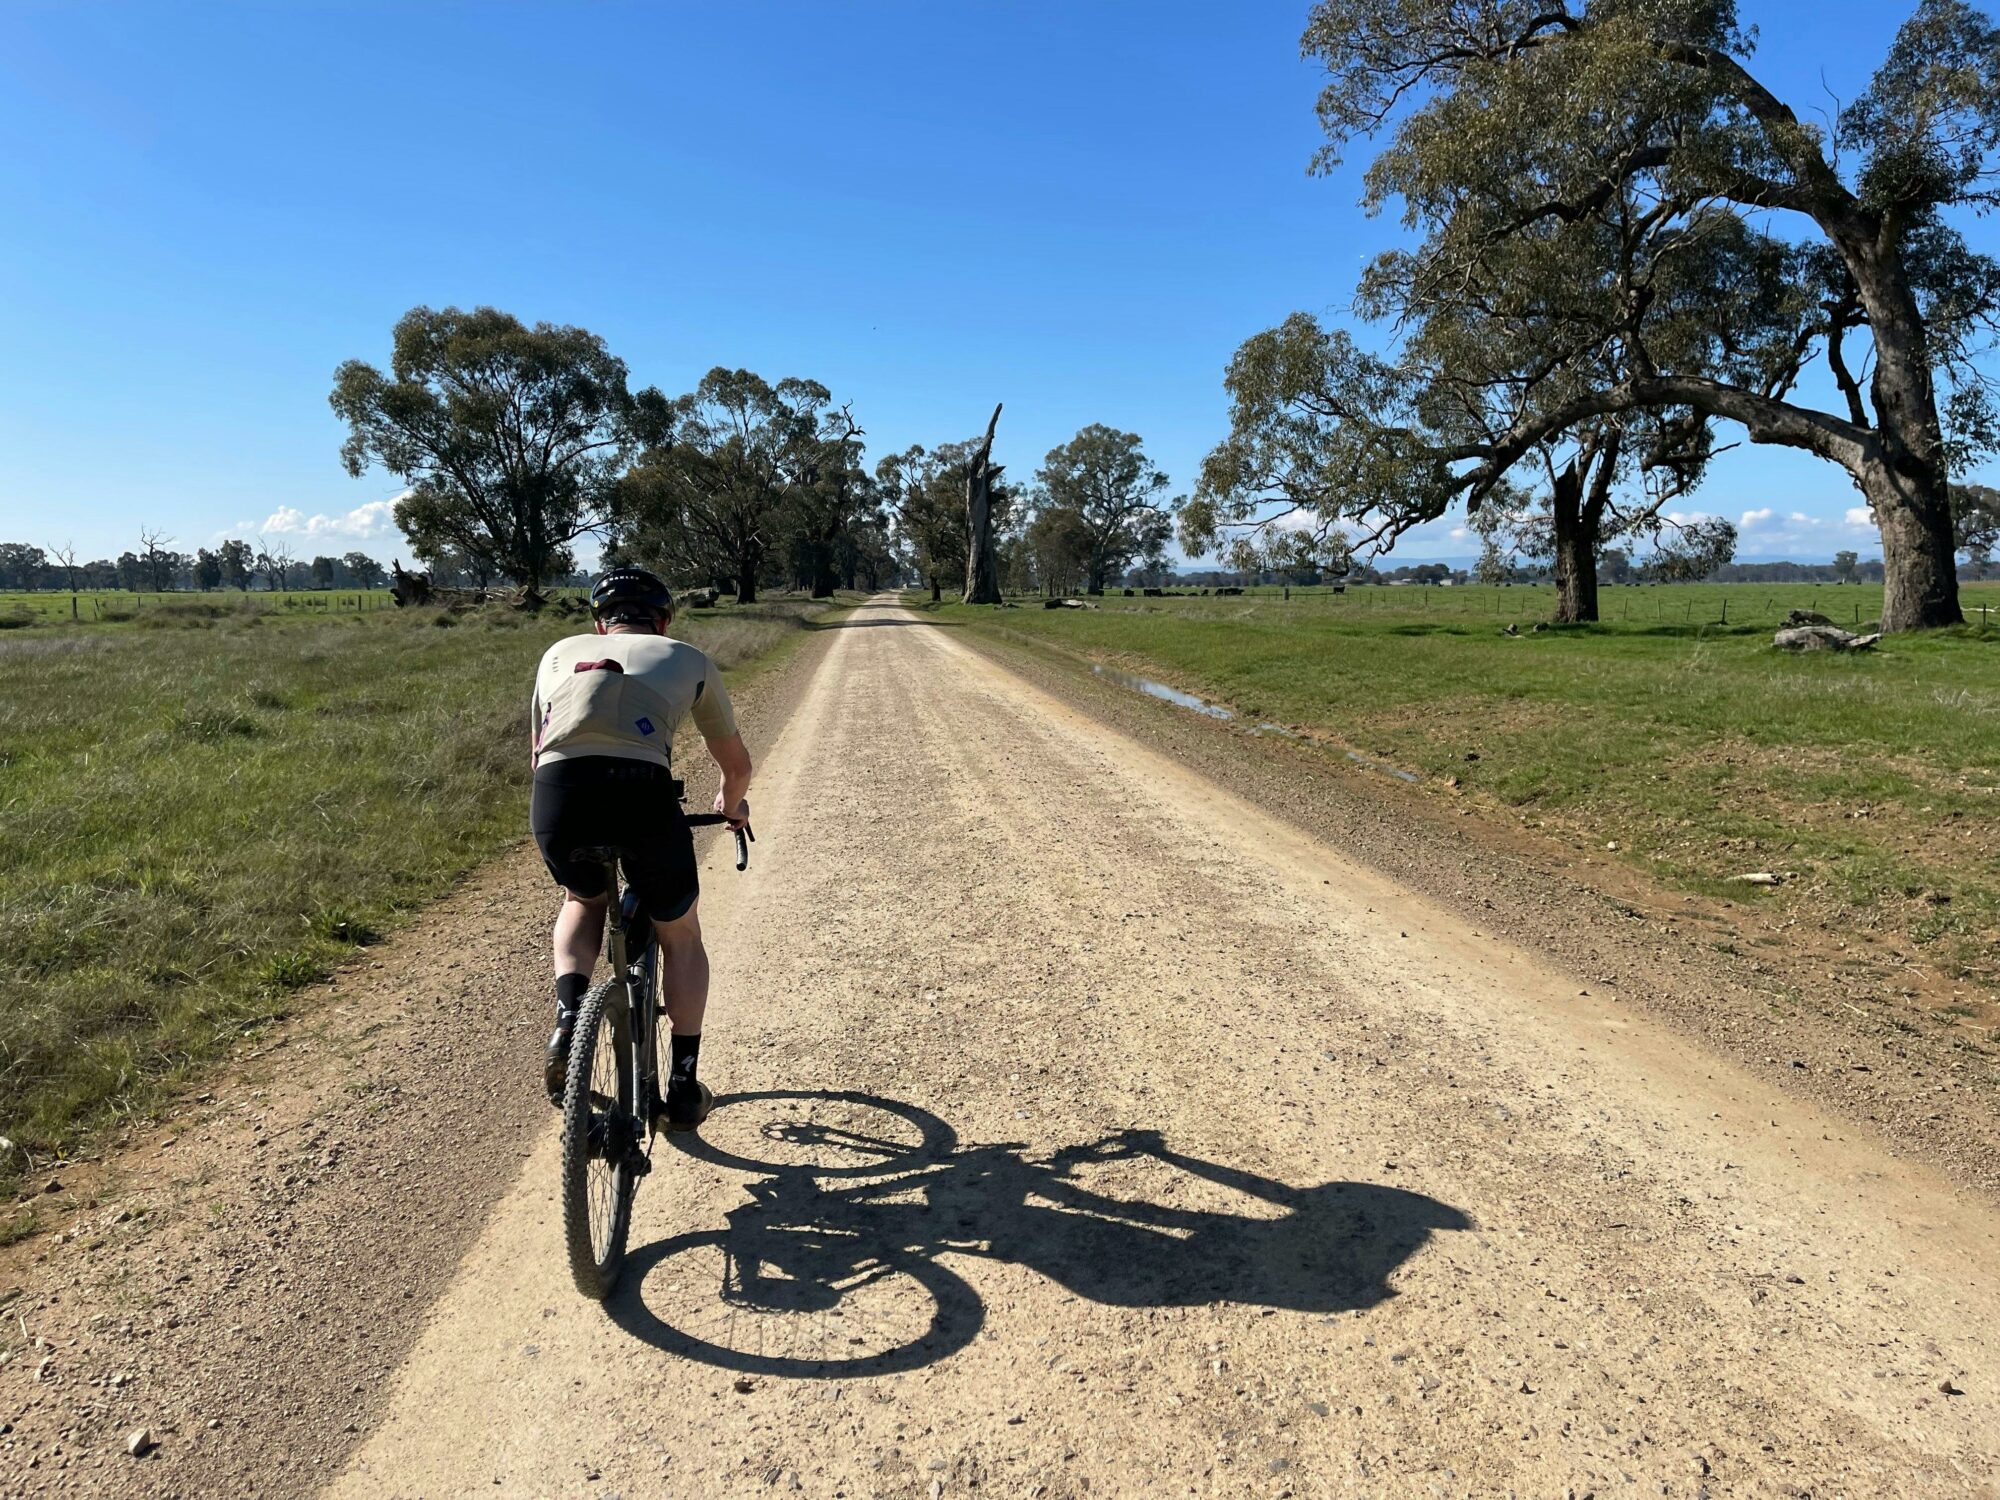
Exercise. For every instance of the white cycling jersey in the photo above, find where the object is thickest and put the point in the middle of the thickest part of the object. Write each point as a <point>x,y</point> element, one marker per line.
<point>624,695</point>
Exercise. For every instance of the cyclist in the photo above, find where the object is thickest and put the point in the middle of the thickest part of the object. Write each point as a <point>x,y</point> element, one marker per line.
<point>605,709</point>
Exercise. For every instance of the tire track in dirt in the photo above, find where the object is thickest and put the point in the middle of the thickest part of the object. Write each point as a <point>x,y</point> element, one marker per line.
<point>1179,1154</point>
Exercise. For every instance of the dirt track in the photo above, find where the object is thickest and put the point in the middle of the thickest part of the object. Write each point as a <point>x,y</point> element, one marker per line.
<point>1171,1154</point>
<point>1088,1131</point>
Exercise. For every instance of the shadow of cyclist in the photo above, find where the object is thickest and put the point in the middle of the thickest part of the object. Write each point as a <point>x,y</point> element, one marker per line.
<point>818,1239</point>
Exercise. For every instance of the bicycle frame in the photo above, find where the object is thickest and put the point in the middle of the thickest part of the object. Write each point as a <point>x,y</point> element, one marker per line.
<point>642,999</point>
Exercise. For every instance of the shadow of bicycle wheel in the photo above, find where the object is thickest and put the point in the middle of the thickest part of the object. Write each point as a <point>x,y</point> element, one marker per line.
<point>835,1265</point>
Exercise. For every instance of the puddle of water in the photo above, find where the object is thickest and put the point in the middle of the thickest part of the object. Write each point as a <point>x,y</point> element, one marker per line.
<point>1190,702</point>
<point>1164,693</point>
<point>1375,765</point>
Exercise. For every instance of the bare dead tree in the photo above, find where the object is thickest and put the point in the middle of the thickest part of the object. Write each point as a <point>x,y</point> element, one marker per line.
<point>66,556</point>
<point>277,562</point>
<point>155,543</point>
<point>982,565</point>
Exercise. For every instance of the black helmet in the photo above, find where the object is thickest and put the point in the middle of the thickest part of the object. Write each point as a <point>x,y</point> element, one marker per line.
<point>630,593</point>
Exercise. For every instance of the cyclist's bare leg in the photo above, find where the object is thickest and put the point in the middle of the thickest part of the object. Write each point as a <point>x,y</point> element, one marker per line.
<point>684,984</point>
<point>684,972</point>
<point>579,934</point>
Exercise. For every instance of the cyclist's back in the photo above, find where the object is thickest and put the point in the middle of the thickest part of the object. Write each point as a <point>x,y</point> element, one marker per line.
<point>605,709</point>
<point>624,696</point>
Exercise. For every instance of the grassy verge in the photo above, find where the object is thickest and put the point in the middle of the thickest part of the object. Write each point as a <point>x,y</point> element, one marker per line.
<point>200,816</point>
<point>1868,784</point>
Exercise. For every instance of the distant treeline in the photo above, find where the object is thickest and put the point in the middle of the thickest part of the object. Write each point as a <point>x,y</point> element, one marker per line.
<point>158,569</point>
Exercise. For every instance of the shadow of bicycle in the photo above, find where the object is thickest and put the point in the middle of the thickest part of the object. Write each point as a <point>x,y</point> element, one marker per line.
<point>836,1266</point>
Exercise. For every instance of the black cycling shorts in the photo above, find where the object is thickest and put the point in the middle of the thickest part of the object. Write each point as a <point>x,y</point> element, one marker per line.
<point>633,806</point>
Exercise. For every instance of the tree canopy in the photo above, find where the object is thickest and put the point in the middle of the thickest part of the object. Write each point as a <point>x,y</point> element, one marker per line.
<point>511,438</point>
<point>1116,494</point>
<point>741,466</point>
<point>1623,238</point>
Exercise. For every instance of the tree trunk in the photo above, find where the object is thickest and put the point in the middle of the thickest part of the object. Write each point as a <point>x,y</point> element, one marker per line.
<point>1907,486</point>
<point>982,566</point>
<point>746,579</point>
<point>1919,568</point>
<point>1575,549</point>
<point>937,590</point>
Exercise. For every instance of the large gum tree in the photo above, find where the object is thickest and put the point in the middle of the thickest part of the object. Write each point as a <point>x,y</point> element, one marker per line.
<point>1513,126</point>
<point>743,462</point>
<point>512,438</point>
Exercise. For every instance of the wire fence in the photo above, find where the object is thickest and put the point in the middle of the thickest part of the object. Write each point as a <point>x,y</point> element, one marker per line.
<point>1682,605</point>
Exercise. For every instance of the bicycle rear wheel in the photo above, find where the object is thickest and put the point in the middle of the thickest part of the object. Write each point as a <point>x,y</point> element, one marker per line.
<point>599,1140</point>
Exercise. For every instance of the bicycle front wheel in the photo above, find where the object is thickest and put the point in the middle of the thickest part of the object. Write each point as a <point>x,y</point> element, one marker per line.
<point>600,1140</point>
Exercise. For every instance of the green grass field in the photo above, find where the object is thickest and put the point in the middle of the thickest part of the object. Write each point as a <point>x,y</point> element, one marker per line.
<point>1688,605</point>
<point>198,819</point>
<point>1870,783</point>
<point>115,606</point>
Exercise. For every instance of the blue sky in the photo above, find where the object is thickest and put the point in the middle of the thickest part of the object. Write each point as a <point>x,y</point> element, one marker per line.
<point>1078,209</point>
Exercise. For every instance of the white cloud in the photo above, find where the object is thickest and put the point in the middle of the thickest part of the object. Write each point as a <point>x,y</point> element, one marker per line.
<point>375,519</point>
<point>1798,535</point>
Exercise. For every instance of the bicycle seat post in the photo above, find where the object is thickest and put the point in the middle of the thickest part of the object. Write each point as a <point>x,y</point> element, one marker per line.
<point>614,923</point>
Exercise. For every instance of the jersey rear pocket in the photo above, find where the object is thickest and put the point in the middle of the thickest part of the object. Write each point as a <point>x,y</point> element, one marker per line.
<point>598,702</point>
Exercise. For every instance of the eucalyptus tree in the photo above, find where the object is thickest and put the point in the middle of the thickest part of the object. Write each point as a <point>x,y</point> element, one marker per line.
<point>1117,494</point>
<point>1975,510</point>
<point>829,493</point>
<point>1513,124</point>
<point>1061,546</point>
<point>237,562</point>
<point>366,572</point>
<point>742,463</point>
<point>511,438</point>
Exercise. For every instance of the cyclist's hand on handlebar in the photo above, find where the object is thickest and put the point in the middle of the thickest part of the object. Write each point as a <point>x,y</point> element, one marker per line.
<point>740,818</point>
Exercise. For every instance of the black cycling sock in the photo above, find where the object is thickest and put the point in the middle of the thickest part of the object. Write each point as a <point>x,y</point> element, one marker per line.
<point>687,1049</point>
<point>569,992</point>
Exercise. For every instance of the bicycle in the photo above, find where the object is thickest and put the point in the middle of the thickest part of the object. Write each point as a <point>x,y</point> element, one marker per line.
<point>607,1117</point>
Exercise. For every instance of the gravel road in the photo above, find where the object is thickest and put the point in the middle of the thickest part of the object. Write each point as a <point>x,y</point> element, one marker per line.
<point>1086,1130</point>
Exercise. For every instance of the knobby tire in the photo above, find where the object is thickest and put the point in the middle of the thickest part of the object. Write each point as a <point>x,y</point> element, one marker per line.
<point>594,1269</point>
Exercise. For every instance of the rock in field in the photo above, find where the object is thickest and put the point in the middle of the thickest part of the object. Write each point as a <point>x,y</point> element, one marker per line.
<point>1821,638</point>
